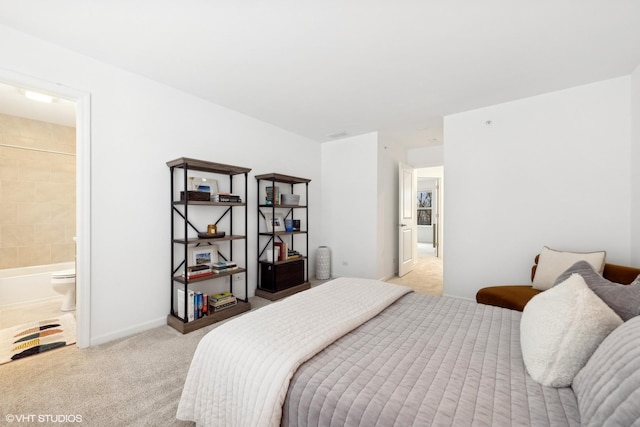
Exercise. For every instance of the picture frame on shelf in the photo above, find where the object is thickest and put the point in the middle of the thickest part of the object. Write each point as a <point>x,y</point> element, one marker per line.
<point>274,222</point>
<point>203,255</point>
<point>206,185</point>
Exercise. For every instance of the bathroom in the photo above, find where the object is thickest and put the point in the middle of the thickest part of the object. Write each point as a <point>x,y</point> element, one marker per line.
<point>37,210</point>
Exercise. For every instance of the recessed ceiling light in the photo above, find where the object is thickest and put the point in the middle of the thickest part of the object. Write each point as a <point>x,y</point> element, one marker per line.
<point>37,96</point>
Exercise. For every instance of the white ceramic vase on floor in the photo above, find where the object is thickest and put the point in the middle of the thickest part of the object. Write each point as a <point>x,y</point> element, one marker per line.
<point>323,263</point>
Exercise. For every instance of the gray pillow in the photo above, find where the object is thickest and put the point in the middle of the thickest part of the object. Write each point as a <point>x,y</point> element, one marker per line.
<point>623,299</point>
<point>608,386</point>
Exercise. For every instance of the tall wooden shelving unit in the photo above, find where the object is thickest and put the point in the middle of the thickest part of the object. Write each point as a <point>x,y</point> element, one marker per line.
<point>185,235</point>
<point>278,279</point>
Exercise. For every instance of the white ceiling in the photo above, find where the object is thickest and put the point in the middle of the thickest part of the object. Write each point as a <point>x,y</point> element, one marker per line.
<point>355,66</point>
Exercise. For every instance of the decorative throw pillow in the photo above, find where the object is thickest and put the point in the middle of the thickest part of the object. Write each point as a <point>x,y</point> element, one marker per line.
<point>552,263</point>
<point>561,328</point>
<point>623,299</point>
<point>608,387</point>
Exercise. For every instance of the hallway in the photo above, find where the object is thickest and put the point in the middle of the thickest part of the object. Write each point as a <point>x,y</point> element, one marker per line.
<point>426,276</point>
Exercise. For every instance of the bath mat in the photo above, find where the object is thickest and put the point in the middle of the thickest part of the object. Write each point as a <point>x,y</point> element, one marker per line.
<point>32,338</point>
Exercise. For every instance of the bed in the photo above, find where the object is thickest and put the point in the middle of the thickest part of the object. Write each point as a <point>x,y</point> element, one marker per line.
<point>325,357</point>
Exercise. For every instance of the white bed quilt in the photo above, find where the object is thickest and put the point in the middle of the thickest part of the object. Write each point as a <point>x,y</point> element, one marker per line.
<point>241,370</point>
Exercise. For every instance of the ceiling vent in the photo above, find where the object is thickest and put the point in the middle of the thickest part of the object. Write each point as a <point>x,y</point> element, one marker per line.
<point>337,135</point>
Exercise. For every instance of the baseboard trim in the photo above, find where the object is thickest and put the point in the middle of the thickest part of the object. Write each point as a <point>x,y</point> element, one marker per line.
<point>127,332</point>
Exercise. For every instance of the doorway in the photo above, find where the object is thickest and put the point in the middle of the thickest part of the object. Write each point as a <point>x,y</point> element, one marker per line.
<point>79,103</point>
<point>426,276</point>
<point>428,190</point>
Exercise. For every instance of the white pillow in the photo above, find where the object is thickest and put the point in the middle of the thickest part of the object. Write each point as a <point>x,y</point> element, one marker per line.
<point>552,263</point>
<point>561,328</point>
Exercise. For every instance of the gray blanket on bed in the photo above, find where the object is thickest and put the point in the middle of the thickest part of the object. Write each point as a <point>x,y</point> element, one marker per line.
<point>427,361</point>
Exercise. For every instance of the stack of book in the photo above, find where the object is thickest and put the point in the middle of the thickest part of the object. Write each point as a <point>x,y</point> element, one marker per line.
<point>291,254</point>
<point>196,271</point>
<point>197,304</point>
<point>223,267</point>
<point>226,197</point>
<point>221,301</point>
<point>285,252</point>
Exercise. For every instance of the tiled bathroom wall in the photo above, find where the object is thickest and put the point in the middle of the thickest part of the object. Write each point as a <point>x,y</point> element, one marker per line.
<point>37,192</point>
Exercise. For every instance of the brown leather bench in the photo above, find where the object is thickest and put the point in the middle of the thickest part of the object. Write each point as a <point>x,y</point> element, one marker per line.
<point>515,297</point>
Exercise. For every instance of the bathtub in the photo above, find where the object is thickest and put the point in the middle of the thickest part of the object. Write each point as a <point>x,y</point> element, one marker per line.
<point>29,285</point>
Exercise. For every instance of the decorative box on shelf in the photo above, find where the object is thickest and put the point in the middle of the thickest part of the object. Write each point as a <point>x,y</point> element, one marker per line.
<point>278,277</point>
<point>290,199</point>
<point>200,196</point>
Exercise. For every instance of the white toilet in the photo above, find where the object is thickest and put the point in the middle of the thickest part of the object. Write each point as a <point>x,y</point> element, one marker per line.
<point>64,282</point>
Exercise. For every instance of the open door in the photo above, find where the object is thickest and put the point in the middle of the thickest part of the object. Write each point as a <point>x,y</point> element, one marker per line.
<point>407,234</point>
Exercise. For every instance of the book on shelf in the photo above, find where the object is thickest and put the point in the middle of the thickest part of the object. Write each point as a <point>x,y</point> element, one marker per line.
<point>224,304</point>
<point>222,301</point>
<point>224,270</point>
<point>226,197</point>
<point>270,199</point>
<point>205,304</point>
<point>223,199</point>
<point>198,268</point>
<point>223,267</point>
<point>221,296</point>
<point>190,304</point>
<point>223,264</point>
<point>282,250</point>
<point>197,305</point>
<point>204,272</point>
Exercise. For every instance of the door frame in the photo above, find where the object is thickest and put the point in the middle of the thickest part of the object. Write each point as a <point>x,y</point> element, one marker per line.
<point>83,190</point>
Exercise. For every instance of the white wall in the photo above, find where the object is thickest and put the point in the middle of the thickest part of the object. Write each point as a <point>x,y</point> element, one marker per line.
<point>137,125</point>
<point>549,170</point>
<point>635,170</point>
<point>389,157</point>
<point>361,219</point>
<point>349,204</point>
<point>426,157</point>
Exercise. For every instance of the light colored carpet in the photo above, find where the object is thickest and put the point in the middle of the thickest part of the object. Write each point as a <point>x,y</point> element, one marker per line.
<point>425,278</point>
<point>134,381</point>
